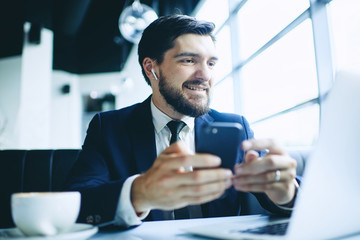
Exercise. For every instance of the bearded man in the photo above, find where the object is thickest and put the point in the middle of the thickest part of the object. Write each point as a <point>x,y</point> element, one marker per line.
<point>131,168</point>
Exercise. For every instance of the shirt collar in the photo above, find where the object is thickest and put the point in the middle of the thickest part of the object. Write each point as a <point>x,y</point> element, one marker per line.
<point>160,119</point>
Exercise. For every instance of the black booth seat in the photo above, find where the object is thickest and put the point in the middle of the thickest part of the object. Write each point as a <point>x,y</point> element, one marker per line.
<point>31,171</point>
<point>47,170</point>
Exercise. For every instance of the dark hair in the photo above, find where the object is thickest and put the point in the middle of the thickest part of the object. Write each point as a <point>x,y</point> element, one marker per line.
<point>159,36</point>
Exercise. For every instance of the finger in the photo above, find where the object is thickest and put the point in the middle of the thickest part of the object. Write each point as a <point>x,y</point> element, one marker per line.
<point>268,177</point>
<point>260,144</point>
<point>191,194</point>
<point>278,192</point>
<point>265,164</point>
<point>177,147</point>
<point>187,195</point>
<point>204,176</point>
<point>251,155</point>
<point>177,161</point>
<point>206,189</point>
<point>191,200</point>
<point>260,187</point>
<point>205,160</point>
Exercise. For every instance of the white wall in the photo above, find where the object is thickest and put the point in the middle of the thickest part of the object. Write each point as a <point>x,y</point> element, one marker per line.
<point>66,111</point>
<point>10,85</point>
<point>35,100</point>
<point>33,111</point>
<point>137,89</point>
<point>129,85</point>
<point>35,114</point>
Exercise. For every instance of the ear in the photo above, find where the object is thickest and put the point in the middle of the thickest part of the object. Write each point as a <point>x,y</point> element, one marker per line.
<point>149,64</point>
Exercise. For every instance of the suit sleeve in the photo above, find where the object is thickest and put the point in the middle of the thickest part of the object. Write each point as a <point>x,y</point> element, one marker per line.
<point>91,177</point>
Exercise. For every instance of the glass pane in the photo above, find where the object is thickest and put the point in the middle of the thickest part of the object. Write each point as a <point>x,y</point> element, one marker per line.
<point>214,11</point>
<point>223,98</point>
<point>344,23</point>
<point>223,46</point>
<point>282,76</point>
<point>260,20</point>
<point>295,129</point>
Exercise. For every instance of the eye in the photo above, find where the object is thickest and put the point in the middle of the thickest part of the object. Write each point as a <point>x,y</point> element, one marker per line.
<point>188,60</point>
<point>212,64</point>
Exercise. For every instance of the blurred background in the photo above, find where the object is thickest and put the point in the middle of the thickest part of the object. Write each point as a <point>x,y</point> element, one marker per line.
<point>62,61</point>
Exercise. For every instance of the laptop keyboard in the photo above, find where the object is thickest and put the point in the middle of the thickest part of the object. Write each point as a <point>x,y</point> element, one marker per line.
<point>273,229</point>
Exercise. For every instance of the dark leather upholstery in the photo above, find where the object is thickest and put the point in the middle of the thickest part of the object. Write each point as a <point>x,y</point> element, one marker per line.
<point>46,170</point>
<point>31,171</point>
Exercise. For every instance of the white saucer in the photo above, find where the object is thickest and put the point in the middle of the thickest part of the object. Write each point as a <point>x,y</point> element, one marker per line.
<point>79,231</point>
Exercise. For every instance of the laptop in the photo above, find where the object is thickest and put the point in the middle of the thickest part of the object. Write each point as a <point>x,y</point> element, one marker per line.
<point>328,203</point>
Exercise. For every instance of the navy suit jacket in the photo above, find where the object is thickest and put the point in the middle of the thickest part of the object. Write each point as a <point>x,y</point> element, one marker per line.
<point>121,143</point>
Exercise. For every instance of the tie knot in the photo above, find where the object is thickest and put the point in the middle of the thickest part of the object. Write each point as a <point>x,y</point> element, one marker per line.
<point>175,128</point>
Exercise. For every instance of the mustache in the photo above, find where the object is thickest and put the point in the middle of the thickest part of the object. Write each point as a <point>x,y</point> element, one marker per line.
<point>203,84</point>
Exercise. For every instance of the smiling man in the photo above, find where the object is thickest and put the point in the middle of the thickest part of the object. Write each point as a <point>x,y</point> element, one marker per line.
<point>132,168</point>
<point>185,89</point>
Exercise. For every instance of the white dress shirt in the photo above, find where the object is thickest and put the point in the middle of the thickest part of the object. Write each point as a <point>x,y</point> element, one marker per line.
<point>125,213</point>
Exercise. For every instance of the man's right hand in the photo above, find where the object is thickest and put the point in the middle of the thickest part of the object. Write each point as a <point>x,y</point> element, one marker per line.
<point>167,186</point>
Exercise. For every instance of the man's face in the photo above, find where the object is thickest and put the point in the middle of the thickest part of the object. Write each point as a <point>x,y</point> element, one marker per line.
<point>185,75</point>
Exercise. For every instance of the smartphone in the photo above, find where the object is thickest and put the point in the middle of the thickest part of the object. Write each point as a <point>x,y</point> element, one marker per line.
<point>222,139</point>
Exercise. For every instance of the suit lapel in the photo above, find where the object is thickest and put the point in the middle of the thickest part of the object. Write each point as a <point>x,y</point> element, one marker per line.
<point>142,136</point>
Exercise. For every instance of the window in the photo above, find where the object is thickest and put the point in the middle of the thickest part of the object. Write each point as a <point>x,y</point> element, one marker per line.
<point>283,76</point>
<point>344,18</point>
<point>260,20</point>
<point>270,53</point>
<point>222,97</point>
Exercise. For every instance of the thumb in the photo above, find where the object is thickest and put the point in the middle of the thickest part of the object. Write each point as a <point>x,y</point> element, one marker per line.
<point>251,156</point>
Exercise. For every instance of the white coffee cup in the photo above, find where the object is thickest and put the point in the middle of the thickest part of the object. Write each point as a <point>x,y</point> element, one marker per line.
<point>45,213</point>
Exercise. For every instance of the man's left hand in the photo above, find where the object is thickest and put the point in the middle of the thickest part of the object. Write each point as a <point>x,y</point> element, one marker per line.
<point>273,174</point>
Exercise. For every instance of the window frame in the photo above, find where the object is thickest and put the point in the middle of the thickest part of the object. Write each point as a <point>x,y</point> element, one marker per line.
<point>317,13</point>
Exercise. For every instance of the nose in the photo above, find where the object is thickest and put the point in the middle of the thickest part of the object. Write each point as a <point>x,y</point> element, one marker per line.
<point>204,72</point>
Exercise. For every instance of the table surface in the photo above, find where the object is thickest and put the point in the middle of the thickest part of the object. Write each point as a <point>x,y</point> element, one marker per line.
<point>167,229</point>
<point>171,229</point>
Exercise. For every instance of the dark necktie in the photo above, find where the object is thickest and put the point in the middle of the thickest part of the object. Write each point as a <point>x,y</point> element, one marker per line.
<point>175,128</point>
<point>189,211</point>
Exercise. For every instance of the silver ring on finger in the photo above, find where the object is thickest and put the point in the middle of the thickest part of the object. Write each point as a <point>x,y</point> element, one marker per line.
<point>277,176</point>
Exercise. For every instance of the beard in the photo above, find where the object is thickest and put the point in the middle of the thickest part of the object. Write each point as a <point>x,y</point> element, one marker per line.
<point>175,98</point>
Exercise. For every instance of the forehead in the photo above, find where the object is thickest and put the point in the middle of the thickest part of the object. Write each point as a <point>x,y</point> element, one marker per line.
<point>202,45</point>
